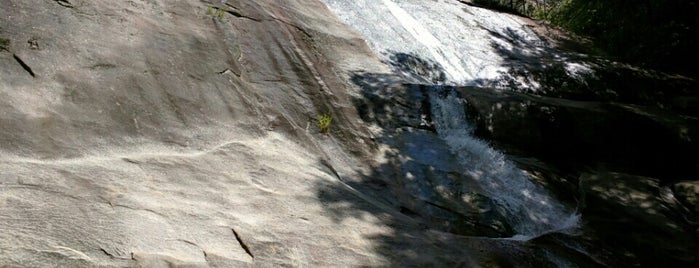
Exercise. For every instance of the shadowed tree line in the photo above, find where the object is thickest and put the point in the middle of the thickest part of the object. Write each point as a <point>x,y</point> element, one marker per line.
<point>523,7</point>
<point>658,34</point>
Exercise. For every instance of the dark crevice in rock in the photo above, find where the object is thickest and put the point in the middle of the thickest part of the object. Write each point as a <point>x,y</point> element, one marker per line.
<point>332,169</point>
<point>195,244</point>
<point>64,3</point>
<point>133,208</point>
<point>24,65</point>
<point>469,219</point>
<point>112,256</point>
<point>106,253</point>
<point>225,71</point>
<point>445,208</point>
<point>425,114</point>
<point>242,244</point>
<point>129,160</point>
<point>238,15</point>
<point>306,33</point>
<point>188,242</point>
<point>4,44</point>
<point>408,211</point>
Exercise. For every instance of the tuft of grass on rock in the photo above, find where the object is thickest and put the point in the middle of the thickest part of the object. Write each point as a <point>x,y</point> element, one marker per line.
<point>324,121</point>
<point>216,12</point>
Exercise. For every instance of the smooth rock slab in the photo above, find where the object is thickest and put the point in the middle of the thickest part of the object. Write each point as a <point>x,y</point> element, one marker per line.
<point>153,134</point>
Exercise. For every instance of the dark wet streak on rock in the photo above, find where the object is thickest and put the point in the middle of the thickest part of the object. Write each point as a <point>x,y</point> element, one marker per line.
<point>24,65</point>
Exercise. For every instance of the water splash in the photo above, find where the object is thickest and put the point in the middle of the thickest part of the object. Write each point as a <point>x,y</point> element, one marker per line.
<point>525,205</point>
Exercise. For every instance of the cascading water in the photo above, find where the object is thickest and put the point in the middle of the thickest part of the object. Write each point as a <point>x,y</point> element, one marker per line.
<point>458,37</point>
<point>526,206</point>
<point>465,56</point>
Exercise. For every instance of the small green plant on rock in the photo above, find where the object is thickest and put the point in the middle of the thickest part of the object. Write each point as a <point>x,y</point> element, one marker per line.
<point>217,12</point>
<point>324,121</point>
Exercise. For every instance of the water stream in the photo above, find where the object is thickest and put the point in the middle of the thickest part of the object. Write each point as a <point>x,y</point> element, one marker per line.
<point>426,31</point>
<point>525,205</point>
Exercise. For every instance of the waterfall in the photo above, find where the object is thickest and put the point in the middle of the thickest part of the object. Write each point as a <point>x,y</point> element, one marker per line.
<point>526,206</point>
<point>457,41</point>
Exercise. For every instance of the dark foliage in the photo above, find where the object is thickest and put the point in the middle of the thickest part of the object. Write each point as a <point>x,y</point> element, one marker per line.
<point>653,33</point>
<point>658,34</point>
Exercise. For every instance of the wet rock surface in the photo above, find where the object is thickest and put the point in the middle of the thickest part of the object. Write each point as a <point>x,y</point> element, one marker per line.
<point>420,168</point>
<point>688,193</point>
<point>572,146</point>
<point>640,215</point>
<point>573,134</point>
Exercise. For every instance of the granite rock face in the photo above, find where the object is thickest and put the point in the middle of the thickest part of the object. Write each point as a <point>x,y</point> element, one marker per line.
<point>152,133</point>
<point>165,133</point>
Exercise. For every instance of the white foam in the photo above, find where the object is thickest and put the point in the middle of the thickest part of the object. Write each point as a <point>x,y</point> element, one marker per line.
<point>525,205</point>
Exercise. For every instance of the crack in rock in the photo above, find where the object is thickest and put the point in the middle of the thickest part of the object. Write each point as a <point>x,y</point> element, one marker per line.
<point>107,253</point>
<point>64,3</point>
<point>195,244</point>
<point>225,71</point>
<point>238,15</point>
<point>112,256</point>
<point>242,244</point>
<point>235,12</point>
<point>136,209</point>
<point>24,65</point>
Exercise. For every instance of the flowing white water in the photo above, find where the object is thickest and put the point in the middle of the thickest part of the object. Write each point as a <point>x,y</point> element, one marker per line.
<point>447,60</point>
<point>460,40</point>
<point>456,36</point>
<point>527,206</point>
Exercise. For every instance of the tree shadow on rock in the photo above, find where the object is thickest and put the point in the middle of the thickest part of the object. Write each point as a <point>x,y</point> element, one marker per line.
<point>412,69</point>
<point>436,213</point>
<point>589,110</point>
<point>538,67</point>
<point>417,186</point>
<point>591,115</point>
